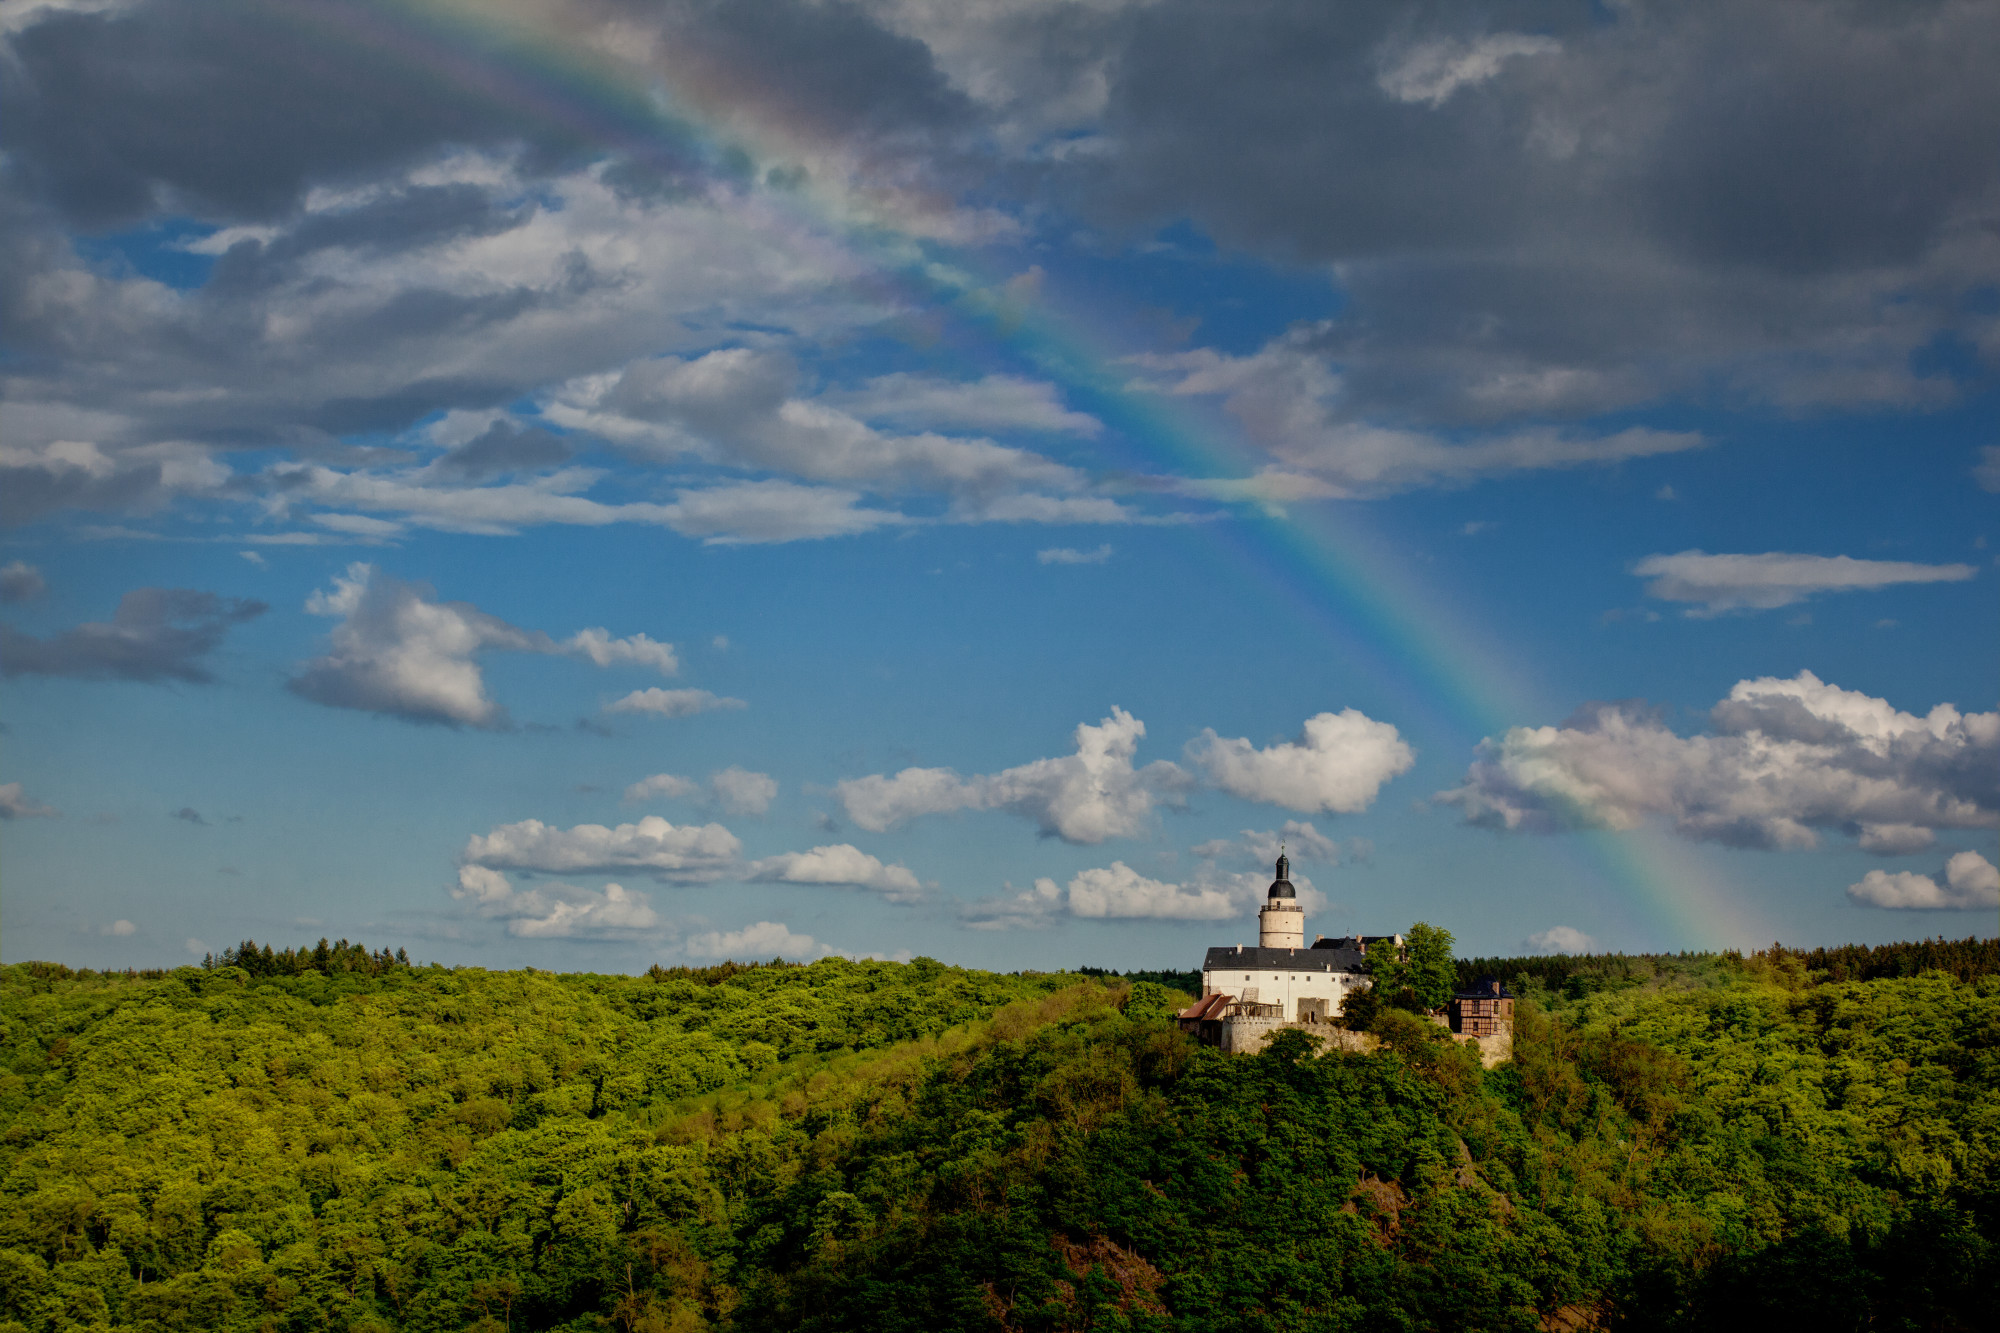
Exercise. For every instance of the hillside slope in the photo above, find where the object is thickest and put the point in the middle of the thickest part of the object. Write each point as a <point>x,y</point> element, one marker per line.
<point>884,1146</point>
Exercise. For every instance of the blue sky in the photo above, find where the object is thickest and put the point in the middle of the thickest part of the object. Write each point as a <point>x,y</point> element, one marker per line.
<point>588,484</point>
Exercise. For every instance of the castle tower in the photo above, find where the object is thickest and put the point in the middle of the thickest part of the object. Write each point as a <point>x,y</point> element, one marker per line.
<point>1282,923</point>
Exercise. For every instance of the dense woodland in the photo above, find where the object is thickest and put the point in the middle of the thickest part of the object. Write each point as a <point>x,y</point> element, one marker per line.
<point>331,1138</point>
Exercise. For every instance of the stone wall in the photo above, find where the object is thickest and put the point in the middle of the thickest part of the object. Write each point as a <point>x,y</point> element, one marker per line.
<point>1244,1035</point>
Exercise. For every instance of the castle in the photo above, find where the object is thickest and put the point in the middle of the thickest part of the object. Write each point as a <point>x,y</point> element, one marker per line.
<point>1247,995</point>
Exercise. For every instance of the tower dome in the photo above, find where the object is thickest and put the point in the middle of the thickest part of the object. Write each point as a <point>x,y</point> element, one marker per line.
<point>1280,923</point>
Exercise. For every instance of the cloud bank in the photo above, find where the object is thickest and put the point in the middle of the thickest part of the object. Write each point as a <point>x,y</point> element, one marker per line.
<point>1785,760</point>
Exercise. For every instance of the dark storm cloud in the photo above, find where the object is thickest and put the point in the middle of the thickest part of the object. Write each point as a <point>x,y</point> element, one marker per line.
<point>231,110</point>
<point>157,634</point>
<point>1535,213</point>
<point>1539,210</point>
<point>1794,137</point>
<point>227,110</point>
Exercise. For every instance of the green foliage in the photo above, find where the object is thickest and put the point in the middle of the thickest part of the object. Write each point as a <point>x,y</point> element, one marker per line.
<point>1678,1144</point>
<point>1430,972</point>
<point>1422,977</point>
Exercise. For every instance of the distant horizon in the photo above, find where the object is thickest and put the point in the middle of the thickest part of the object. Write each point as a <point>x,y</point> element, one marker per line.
<point>1083,969</point>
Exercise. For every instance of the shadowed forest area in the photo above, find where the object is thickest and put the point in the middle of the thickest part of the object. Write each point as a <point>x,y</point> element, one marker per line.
<point>334,1138</point>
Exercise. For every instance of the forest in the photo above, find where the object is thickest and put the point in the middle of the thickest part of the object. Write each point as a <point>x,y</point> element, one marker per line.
<point>334,1138</point>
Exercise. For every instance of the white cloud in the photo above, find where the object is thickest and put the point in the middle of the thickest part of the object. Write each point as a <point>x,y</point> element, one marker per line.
<point>15,803</point>
<point>996,403</point>
<point>1085,797</point>
<point>1787,758</point>
<point>556,911</point>
<point>1722,583</point>
<point>734,791</point>
<point>637,650</point>
<point>400,651</point>
<point>1297,839</point>
<point>839,864</point>
<point>763,939</point>
<point>668,852</point>
<point>1291,401</point>
<point>1338,764</point>
<point>1432,71</point>
<point>662,784</point>
<point>1069,555</point>
<point>1971,881</point>
<point>1560,939</point>
<point>736,406</point>
<point>1895,839</point>
<point>120,927</point>
<point>731,513</point>
<point>1033,908</point>
<point>1118,892</point>
<point>672,703</point>
<point>738,791</point>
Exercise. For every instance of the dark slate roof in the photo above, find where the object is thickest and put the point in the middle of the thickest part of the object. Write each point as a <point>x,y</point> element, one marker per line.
<point>1222,958</point>
<point>1486,988</point>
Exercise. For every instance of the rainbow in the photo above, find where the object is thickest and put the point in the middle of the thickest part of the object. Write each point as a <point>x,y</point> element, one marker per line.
<point>681,111</point>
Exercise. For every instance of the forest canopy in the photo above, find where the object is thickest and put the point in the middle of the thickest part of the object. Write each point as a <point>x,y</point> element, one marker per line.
<point>331,1137</point>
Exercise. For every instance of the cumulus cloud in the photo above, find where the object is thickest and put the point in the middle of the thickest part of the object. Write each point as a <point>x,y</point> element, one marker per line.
<point>156,634</point>
<point>1086,797</point>
<point>556,910</point>
<point>672,703</point>
<point>1970,882</point>
<point>759,940</point>
<point>1337,765</point>
<point>400,651</point>
<point>1720,583</point>
<point>840,864</point>
<point>662,784</point>
<point>1119,892</point>
<point>21,582</point>
<point>1069,555</point>
<point>15,803</point>
<point>1298,839</point>
<point>1559,939</point>
<point>1784,760</point>
<point>684,853</point>
<point>734,791</point>
<point>120,927</point>
<point>739,791</point>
